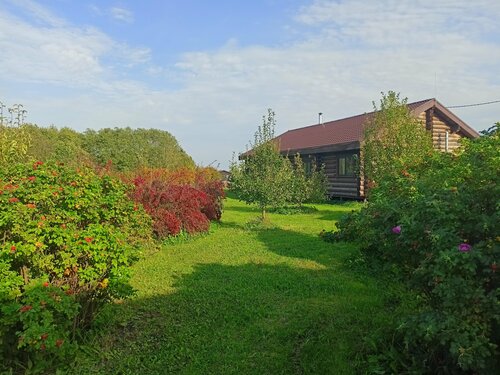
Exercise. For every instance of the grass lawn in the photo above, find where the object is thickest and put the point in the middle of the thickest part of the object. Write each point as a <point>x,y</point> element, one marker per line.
<point>243,301</point>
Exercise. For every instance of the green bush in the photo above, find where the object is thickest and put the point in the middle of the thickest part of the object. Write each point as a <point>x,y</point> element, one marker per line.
<point>438,225</point>
<point>306,185</point>
<point>68,239</point>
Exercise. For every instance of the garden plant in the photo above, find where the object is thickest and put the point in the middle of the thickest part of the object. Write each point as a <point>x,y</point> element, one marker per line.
<point>68,239</point>
<point>434,221</point>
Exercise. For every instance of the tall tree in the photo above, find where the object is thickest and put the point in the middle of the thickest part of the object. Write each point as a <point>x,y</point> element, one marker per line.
<point>129,149</point>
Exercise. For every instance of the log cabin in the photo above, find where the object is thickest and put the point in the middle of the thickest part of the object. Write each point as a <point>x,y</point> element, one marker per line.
<point>337,144</point>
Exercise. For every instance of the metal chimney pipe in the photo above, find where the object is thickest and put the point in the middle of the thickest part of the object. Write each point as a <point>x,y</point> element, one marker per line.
<point>320,118</point>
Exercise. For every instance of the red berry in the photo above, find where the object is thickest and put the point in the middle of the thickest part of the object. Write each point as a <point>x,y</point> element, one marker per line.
<point>46,284</point>
<point>44,336</point>
<point>59,342</point>
<point>13,249</point>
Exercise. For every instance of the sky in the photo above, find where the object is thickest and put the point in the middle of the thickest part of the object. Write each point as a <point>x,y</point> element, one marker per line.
<point>207,71</point>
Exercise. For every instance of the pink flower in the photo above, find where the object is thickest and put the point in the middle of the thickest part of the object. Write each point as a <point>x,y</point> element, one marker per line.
<point>464,247</point>
<point>396,229</point>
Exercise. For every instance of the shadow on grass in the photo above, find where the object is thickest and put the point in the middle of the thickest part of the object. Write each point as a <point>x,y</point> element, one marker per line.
<point>243,209</point>
<point>294,244</point>
<point>298,245</point>
<point>245,319</point>
<point>332,215</point>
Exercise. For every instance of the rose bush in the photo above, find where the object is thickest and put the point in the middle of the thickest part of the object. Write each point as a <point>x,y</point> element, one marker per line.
<point>68,238</point>
<point>437,224</point>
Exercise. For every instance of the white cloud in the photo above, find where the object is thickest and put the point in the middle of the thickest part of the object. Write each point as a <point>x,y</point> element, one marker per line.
<point>349,52</point>
<point>122,14</point>
<point>57,53</point>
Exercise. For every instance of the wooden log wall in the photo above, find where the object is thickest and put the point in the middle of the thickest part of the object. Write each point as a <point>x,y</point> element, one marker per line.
<point>439,126</point>
<point>339,187</point>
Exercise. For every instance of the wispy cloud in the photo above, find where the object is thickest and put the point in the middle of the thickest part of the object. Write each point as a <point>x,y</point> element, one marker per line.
<point>39,13</point>
<point>122,14</point>
<point>52,51</point>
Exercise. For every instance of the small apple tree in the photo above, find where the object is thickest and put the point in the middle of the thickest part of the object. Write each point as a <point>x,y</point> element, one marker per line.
<point>263,177</point>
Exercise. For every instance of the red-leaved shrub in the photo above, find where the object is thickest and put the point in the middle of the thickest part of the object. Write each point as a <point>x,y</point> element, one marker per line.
<point>182,200</point>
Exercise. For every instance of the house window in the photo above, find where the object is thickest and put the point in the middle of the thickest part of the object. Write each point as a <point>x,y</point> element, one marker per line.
<point>347,165</point>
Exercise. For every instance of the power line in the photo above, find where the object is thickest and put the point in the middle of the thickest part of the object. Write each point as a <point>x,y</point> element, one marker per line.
<point>473,105</point>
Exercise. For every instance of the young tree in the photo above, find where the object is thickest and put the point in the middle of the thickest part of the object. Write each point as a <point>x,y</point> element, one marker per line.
<point>307,185</point>
<point>394,140</point>
<point>263,177</point>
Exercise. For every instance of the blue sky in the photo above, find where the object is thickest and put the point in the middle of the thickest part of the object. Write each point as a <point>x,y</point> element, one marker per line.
<point>206,71</point>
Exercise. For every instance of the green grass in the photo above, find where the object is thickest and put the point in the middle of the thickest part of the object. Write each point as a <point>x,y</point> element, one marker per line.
<point>272,300</point>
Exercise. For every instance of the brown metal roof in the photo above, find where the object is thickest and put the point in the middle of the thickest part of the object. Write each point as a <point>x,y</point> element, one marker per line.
<point>350,130</point>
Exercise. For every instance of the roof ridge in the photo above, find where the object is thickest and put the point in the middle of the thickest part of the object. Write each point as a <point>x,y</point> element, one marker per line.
<point>327,122</point>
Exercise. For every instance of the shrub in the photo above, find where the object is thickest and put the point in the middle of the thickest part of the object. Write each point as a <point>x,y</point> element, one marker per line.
<point>175,208</point>
<point>68,238</point>
<point>307,185</point>
<point>438,223</point>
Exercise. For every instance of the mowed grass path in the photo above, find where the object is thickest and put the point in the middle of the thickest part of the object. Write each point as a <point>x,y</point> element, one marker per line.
<point>242,301</point>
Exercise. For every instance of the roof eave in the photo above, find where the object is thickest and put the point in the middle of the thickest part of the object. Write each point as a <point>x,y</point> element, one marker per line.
<point>347,146</point>
<point>466,129</point>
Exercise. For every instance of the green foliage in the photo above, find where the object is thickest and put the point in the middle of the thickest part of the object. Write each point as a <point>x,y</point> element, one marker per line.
<point>130,149</point>
<point>14,144</point>
<point>394,140</point>
<point>264,176</point>
<point>125,149</point>
<point>299,187</point>
<point>492,131</point>
<point>68,238</point>
<point>437,223</point>
<point>307,186</point>
<point>64,145</point>
<point>268,179</point>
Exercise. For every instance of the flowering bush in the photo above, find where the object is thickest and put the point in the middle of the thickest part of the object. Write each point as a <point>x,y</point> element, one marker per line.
<point>68,237</point>
<point>180,200</point>
<point>439,224</point>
